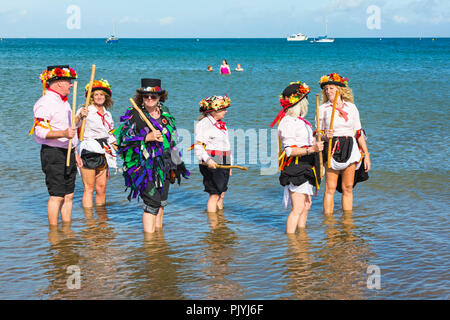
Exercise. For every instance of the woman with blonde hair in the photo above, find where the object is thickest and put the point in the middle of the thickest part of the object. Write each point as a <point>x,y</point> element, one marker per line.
<point>348,148</point>
<point>299,163</point>
<point>97,150</point>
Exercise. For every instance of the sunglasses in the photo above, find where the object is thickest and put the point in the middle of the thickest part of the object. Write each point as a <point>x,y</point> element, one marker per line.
<point>153,97</point>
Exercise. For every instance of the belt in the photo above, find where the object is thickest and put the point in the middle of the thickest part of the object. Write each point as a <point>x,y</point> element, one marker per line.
<point>218,153</point>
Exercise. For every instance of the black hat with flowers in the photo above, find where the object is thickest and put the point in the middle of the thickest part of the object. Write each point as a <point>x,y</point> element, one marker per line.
<point>290,96</point>
<point>59,72</point>
<point>149,86</point>
<point>333,78</point>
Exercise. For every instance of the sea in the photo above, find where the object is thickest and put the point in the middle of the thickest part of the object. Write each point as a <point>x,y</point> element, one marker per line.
<point>394,245</point>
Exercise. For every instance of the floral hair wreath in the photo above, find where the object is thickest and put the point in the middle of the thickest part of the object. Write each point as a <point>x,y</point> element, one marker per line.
<point>214,103</point>
<point>333,78</point>
<point>47,75</point>
<point>303,90</point>
<point>99,84</point>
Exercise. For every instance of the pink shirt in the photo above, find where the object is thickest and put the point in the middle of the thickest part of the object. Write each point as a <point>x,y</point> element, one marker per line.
<point>58,113</point>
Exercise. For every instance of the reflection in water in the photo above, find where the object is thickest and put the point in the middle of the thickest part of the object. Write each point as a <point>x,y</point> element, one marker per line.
<point>93,255</point>
<point>334,270</point>
<point>300,277</point>
<point>154,270</point>
<point>220,252</point>
<point>344,260</point>
<point>59,257</point>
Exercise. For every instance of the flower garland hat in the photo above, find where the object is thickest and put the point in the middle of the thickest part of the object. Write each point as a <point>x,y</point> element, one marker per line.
<point>333,78</point>
<point>214,103</point>
<point>290,96</point>
<point>53,73</point>
<point>149,86</point>
<point>99,85</point>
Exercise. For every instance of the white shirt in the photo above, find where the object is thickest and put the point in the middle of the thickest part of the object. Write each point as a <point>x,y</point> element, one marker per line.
<point>96,128</point>
<point>293,131</point>
<point>341,127</point>
<point>214,138</point>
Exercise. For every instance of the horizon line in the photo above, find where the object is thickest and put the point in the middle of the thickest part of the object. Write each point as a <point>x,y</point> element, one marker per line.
<point>96,38</point>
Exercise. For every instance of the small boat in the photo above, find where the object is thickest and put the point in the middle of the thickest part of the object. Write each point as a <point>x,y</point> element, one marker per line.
<point>112,39</point>
<point>323,39</point>
<point>297,37</point>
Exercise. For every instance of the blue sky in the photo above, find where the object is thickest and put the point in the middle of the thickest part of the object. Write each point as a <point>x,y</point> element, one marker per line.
<point>224,19</point>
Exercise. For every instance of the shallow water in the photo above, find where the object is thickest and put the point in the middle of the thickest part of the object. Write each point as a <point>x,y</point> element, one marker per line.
<point>399,223</point>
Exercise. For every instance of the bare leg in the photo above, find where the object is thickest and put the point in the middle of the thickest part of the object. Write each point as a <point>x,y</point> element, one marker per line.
<point>304,214</point>
<point>53,207</point>
<point>348,177</point>
<point>66,209</point>
<point>298,205</point>
<point>220,201</point>
<point>101,178</point>
<point>159,218</point>
<point>211,206</point>
<point>149,222</point>
<point>330,188</point>
<point>88,176</point>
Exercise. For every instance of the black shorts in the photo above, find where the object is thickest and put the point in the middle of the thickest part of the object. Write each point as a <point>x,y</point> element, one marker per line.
<point>60,180</point>
<point>92,160</point>
<point>215,181</point>
<point>158,199</point>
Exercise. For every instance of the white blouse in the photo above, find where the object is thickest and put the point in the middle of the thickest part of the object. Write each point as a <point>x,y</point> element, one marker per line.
<point>214,138</point>
<point>96,127</point>
<point>294,131</point>
<point>341,127</point>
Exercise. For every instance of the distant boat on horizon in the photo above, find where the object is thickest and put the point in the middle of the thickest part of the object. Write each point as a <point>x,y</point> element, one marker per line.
<point>323,39</point>
<point>297,37</point>
<point>113,38</point>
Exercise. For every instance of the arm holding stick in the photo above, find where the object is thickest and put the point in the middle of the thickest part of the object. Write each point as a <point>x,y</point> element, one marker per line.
<point>330,140</point>
<point>88,98</point>
<point>159,138</point>
<point>74,102</point>
<point>319,138</point>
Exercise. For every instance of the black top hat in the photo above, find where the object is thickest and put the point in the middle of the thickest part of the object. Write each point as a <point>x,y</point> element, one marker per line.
<point>151,86</point>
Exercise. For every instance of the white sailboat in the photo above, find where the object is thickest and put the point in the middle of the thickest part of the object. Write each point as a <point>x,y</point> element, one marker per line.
<point>113,38</point>
<point>323,39</point>
<point>297,37</point>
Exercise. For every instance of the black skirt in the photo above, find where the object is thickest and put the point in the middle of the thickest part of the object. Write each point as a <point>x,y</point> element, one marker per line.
<point>342,153</point>
<point>299,173</point>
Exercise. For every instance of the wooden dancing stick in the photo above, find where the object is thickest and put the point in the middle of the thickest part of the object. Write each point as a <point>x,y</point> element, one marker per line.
<point>227,167</point>
<point>69,149</point>
<point>86,104</point>
<point>319,138</point>
<point>331,127</point>
<point>143,117</point>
